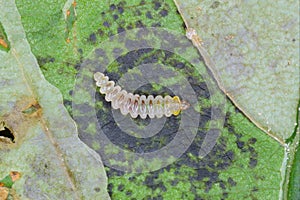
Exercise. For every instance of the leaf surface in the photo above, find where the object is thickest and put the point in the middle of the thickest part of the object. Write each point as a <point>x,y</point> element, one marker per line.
<point>243,155</point>
<point>252,48</point>
<point>37,136</point>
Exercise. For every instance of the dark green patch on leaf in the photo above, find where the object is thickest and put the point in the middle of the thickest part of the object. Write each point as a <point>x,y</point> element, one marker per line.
<point>10,179</point>
<point>220,172</point>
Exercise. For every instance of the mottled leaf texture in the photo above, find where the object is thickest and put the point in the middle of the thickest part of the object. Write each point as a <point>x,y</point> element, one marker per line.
<point>37,137</point>
<point>252,48</point>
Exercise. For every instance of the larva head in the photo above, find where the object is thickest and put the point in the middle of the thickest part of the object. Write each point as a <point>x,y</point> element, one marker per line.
<point>183,105</point>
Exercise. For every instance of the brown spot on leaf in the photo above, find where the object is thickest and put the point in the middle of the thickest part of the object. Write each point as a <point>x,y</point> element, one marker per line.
<point>3,43</point>
<point>15,175</point>
<point>16,123</point>
<point>33,110</point>
<point>4,193</point>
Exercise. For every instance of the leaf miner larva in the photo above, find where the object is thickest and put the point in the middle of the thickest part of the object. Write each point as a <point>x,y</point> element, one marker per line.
<point>135,104</point>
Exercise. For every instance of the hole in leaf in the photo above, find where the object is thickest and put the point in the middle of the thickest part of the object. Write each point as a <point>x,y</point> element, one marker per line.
<point>6,133</point>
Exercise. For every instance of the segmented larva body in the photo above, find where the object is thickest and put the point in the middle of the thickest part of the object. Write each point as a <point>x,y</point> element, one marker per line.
<point>135,104</point>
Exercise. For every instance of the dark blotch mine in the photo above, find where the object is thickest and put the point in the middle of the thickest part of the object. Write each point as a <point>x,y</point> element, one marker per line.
<point>222,185</point>
<point>121,187</point>
<point>252,140</point>
<point>178,65</point>
<point>163,13</point>
<point>115,17</point>
<point>121,29</point>
<point>202,173</point>
<point>77,66</point>
<point>100,32</point>
<point>42,61</point>
<point>231,182</point>
<point>129,193</point>
<point>92,38</point>
<point>120,10</point>
<point>230,155</point>
<point>208,185</point>
<point>139,24</point>
<point>157,24</point>
<point>200,88</point>
<point>106,24</point>
<point>205,168</point>
<point>112,7</point>
<point>227,123</point>
<point>240,144</point>
<point>148,15</point>
<point>157,5</point>
<point>252,162</point>
<point>150,179</point>
<point>245,147</point>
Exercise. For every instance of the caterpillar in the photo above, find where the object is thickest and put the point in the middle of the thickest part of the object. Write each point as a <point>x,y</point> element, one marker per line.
<point>135,104</point>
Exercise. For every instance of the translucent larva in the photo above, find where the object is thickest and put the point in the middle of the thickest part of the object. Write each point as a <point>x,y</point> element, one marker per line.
<point>137,105</point>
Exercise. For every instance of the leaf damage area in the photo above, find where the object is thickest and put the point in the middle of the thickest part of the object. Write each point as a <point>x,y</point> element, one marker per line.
<point>14,125</point>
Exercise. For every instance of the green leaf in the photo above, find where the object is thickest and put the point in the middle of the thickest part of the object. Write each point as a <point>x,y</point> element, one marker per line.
<point>252,48</point>
<point>294,182</point>
<point>37,136</point>
<point>244,164</point>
